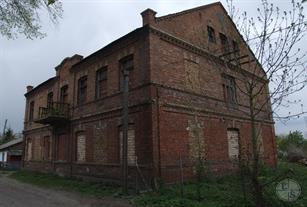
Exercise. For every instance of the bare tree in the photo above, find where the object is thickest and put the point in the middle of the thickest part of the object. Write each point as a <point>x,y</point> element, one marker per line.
<point>272,58</point>
<point>23,17</point>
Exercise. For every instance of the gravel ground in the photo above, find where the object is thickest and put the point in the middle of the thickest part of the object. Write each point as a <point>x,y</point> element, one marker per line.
<point>16,194</point>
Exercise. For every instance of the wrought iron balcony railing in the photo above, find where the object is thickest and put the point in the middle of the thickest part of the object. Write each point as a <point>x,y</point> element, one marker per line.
<point>54,113</point>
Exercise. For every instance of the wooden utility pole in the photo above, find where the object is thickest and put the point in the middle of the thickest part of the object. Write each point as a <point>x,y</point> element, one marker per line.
<point>126,65</point>
<point>125,131</point>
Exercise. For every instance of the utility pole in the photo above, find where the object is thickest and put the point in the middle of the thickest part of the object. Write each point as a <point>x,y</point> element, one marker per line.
<point>4,128</point>
<point>305,118</point>
<point>125,132</point>
<point>125,124</point>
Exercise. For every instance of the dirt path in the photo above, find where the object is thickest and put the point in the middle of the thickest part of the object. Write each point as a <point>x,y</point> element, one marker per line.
<point>16,194</point>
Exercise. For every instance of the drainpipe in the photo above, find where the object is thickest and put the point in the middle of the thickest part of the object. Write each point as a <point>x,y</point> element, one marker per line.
<point>158,129</point>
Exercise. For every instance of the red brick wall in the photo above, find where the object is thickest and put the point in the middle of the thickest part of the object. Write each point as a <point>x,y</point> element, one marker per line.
<point>169,82</point>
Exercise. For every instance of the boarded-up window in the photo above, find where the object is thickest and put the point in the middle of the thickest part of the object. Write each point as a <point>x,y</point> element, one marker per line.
<point>29,149</point>
<point>81,147</point>
<point>233,144</point>
<point>99,142</point>
<point>131,146</point>
<point>192,75</point>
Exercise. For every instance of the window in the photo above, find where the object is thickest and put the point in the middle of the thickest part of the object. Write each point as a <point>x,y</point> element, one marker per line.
<point>126,63</point>
<point>233,143</point>
<point>49,99</point>
<point>31,111</point>
<point>224,43</point>
<point>101,82</point>
<point>235,46</point>
<point>211,34</point>
<point>64,94</point>
<point>81,147</point>
<point>229,88</point>
<point>82,89</point>
<point>131,146</point>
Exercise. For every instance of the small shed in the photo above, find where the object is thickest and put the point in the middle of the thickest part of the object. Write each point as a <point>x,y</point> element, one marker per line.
<point>11,154</point>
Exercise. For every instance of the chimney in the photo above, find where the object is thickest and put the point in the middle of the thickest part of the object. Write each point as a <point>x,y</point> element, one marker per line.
<point>149,16</point>
<point>29,88</point>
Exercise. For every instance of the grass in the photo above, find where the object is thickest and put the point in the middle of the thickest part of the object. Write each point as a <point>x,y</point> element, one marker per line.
<point>226,191</point>
<point>60,183</point>
<point>223,191</point>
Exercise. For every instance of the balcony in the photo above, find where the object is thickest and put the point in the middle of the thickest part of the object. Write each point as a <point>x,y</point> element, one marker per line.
<point>56,113</point>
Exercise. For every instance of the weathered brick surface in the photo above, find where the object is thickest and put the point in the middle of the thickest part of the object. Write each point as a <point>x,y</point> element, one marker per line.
<point>173,78</point>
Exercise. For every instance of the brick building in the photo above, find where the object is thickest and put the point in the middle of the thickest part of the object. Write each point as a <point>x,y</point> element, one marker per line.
<point>177,69</point>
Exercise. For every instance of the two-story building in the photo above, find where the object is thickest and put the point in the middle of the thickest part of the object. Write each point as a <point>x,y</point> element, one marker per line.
<point>177,64</point>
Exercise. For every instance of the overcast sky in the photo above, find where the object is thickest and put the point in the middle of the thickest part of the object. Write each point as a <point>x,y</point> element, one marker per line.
<point>87,26</point>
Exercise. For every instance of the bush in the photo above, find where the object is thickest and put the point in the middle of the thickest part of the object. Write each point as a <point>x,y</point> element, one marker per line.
<point>291,147</point>
<point>295,153</point>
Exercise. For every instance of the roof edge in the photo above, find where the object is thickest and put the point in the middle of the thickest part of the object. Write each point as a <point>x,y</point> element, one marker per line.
<point>130,34</point>
<point>187,11</point>
<point>11,143</point>
<point>40,85</point>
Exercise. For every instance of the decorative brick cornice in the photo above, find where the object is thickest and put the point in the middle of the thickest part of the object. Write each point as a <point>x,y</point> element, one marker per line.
<point>178,108</point>
<point>184,44</point>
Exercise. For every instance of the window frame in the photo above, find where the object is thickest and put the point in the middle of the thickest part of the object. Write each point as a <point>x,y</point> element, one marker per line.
<point>101,77</point>
<point>31,110</point>
<point>49,99</point>
<point>224,42</point>
<point>64,94</point>
<point>124,65</point>
<point>229,90</point>
<point>211,34</point>
<point>82,90</point>
<point>235,46</point>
